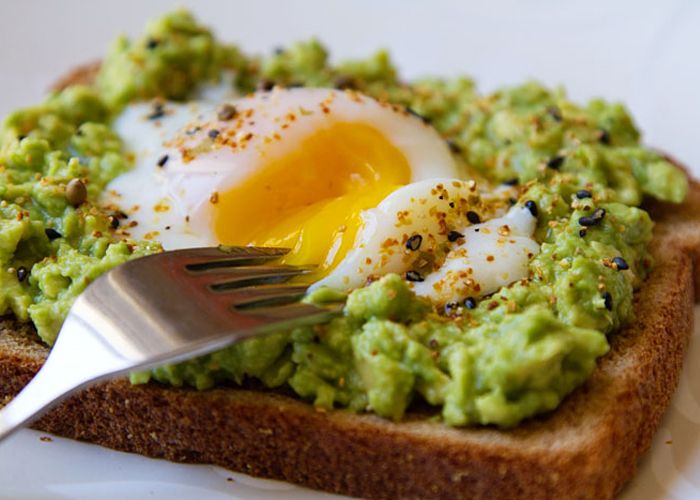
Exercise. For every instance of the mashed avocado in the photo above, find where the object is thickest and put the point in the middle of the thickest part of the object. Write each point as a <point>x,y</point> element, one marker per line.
<point>499,360</point>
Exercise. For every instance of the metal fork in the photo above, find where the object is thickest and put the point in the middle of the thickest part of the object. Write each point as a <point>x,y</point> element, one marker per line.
<point>162,309</point>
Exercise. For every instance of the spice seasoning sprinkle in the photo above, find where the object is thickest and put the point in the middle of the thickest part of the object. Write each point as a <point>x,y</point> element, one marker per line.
<point>213,133</point>
<point>76,193</point>
<point>414,276</point>
<point>113,221</point>
<point>451,308</point>
<point>511,182</point>
<point>227,112</point>
<point>163,160</point>
<point>414,242</point>
<point>470,303</point>
<point>582,233</point>
<point>52,234</point>
<point>158,112</point>
<point>532,207</point>
<point>608,301</point>
<point>265,85</point>
<point>454,147</point>
<point>555,162</point>
<point>22,273</point>
<point>415,113</point>
<point>555,113</point>
<point>453,236</point>
<point>621,263</point>
<point>593,219</point>
<point>583,194</point>
<point>344,82</point>
<point>152,43</point>
<point>473,217</point>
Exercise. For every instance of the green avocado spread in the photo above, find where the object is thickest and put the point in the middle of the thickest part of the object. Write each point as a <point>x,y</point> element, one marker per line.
<point>495,360</point>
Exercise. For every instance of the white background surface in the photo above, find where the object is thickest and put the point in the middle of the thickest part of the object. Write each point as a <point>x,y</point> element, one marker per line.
<point>644,53</point>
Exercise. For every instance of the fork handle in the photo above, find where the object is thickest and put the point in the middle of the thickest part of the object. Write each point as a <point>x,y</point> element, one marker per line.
<point>77,359</point>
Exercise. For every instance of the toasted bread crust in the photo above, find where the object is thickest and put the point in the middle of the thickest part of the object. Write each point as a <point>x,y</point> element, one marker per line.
<point>587,448</point>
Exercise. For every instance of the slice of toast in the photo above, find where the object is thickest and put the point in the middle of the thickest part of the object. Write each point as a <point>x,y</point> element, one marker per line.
<point>587,448</point>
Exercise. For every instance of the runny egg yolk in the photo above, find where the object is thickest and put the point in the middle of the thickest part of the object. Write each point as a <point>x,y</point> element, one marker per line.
<point>310,199</point>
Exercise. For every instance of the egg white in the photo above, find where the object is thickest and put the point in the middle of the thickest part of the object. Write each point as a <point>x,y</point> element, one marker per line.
<point>167,195</point>
<point>485,257</point>
<point>171,202</point>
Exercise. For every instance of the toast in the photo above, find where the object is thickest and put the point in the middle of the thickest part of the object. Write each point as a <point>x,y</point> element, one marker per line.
<point>587,448</point>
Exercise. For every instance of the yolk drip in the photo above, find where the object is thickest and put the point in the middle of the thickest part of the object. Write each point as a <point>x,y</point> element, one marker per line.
<point>310,199</point>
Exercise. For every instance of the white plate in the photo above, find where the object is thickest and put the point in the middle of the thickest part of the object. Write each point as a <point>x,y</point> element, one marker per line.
<point>639,52</point>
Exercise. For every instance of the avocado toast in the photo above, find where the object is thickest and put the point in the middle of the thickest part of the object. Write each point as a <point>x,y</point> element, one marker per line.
<point>492,453</point>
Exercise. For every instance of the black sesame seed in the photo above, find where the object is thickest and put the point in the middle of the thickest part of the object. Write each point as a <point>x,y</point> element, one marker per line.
<point>451,308</point>
<point>22,273</point>
<point>511,182</point>
<point>414,242</point>
<point>227,112</point>
<point>265,85</point>
<point>582,233</point>
<point>414,276</point>
<point>454,147</point>
<point>157,113</point>
<point>453,236</point>
<point>473,217</point>
<point>163,160</point>
<point>469,303</point>
<point>344,82</point>
<point>583,194</point>
<point>604,136</point>
<point>52,234</point>
<point>555,113</point>
<point>621,263</point>
<point>587,221</point>
<point>452,204</point>
<point>608,301</point>
<point>152,43</point>
<point>532,207</point>
<point>555,162</point>
<point>213,133</point>
<point>593,219</point>
<point>415,113</point>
